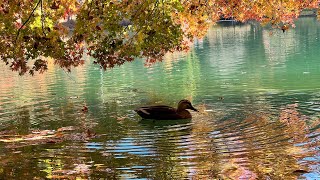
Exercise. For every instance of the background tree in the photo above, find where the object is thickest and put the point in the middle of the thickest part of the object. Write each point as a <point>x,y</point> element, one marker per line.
<point>114,32</point>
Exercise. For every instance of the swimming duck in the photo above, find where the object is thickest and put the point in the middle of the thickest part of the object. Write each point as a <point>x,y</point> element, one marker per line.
<point>166,112</point>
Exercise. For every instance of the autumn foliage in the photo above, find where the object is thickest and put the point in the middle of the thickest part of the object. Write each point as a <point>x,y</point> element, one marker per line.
<point>114,32</point>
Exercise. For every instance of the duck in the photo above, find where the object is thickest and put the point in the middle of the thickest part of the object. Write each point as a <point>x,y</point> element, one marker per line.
<point>163,112</point>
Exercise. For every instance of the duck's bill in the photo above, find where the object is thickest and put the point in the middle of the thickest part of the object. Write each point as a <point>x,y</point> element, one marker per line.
<point>192,108</point>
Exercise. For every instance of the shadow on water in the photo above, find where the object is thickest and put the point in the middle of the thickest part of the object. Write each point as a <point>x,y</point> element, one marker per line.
<point>155,124</point>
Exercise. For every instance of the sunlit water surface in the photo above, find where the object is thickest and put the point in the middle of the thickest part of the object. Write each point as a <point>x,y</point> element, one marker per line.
<point>258,92</point>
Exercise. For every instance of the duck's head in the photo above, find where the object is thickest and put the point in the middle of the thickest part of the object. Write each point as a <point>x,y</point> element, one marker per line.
<point>185,104</point>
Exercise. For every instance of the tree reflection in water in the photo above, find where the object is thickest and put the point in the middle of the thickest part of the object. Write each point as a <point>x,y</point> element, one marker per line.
<point>205,147</point>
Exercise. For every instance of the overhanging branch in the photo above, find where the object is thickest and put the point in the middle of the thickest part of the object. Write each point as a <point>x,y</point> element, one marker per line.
<point>27,20</point>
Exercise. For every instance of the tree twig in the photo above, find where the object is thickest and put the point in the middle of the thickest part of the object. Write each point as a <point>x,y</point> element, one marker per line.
<point>27,20</point>
<point>43,18</point>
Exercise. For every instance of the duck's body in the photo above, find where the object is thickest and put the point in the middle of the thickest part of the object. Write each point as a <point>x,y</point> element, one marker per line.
<point>166,112</point>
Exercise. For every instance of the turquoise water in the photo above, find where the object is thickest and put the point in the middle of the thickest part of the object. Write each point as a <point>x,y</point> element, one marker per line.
<point>257,90</point>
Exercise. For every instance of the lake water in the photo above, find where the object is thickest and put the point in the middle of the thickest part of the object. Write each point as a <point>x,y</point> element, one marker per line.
<point>257,90</point>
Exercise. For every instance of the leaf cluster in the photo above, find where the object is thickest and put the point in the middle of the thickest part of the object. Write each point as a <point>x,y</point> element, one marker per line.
<point>114,32</point>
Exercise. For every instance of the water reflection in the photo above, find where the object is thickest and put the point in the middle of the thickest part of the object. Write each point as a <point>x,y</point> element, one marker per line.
<point>258,96</point>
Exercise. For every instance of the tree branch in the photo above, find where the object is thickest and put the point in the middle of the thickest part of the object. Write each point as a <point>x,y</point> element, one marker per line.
<point>27,20</point>
<point>43,18</point>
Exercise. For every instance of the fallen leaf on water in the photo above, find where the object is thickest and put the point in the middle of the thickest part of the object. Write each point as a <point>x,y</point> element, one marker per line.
<point>52,142</point>
<point>80,169</point>
<point>100,165</point>
<point>202,109</point>
<point>105,154</point>
<point>121,118</point>
<point>270,33</point>
<point>67,128</point>
<point>90,133</point>
<point>84,136</point>
<point>46,137</point>
<point>11,140</point>
<point>232,170</point>
<point>59,134</point>
<point>84,109</point>
<point>7,132</point>
<point>35,135</point>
